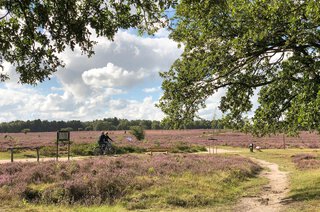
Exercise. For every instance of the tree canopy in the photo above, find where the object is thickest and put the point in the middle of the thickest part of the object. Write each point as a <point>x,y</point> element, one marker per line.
<point>102,124</point>
<point>34,32</point>
<point>269,47</point>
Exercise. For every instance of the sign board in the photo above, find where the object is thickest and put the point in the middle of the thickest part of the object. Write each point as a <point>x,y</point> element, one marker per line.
<point>63,136</point>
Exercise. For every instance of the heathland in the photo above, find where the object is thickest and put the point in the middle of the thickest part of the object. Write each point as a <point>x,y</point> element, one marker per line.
<point>187,178</point>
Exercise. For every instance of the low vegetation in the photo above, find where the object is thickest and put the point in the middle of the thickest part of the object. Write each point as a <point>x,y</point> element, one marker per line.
<point>303,169</point>
<point>137,132</point>
<point>132,181</point>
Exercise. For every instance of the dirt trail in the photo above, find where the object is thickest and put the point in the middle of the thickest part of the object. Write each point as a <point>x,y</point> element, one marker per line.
<point>270,200</point>
<point>212,150</point>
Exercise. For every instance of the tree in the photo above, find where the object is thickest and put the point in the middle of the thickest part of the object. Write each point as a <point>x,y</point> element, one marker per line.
<point>138,132</point>
<point>271,47</point>
<point>34,32</point>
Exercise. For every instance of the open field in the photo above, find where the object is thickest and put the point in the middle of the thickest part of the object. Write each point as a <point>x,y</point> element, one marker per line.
<point>202,176</point>
<point>135,182</point>
<point>165,138</point>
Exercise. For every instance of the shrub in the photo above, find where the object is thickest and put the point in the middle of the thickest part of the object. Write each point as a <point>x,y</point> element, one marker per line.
<point>138,132</point>
<point>48,151</point>
<point>306,161</point>
<point>67,129</point>
<point>25,131</point>
<point>186,148</point>
<point>83,149</point>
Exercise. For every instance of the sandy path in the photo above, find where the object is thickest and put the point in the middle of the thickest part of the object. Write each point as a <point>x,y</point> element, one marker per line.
<point>273,193</point>
<point>213,150</point>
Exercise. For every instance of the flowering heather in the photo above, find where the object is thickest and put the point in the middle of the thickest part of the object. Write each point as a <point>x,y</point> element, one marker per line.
<point>107,180</point>
<point>306,161</point>
<point>164,138</point>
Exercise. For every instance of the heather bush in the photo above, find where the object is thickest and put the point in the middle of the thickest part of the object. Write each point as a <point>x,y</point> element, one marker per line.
<point>134,180</point>
<point>306,161</point>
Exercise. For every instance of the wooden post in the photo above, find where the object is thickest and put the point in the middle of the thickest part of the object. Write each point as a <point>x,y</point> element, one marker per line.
<point>284,141</point>
<point>57,156</point>
<point>11,151</point>
<point>38,155</point>
<point>69,150</point>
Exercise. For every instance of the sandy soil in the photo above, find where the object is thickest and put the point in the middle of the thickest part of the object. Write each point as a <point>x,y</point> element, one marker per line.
<point>216,150</point>
<point>272,197</point>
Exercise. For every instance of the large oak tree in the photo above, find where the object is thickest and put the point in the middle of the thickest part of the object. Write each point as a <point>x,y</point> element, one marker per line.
<point>245,46</point>
<point>34,32</point>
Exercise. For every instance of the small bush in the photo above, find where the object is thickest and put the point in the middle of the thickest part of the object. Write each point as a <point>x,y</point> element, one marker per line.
<point>185,148</point>
<point>67,129</point>
<point>128,149</point>
<point>306,161</point>
<point>48,151</point>
<point>138,132</point>
<point>25,131</point>
<point>83,149</point>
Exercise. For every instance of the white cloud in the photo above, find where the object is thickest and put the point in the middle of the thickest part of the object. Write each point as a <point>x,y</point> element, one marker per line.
<point>152,90</point>
<point>127,62</point>
<point>113,76</point>
<point>162,33</point>
<point>133,109</point>
<point>212,103</point>
<point>93,88</point>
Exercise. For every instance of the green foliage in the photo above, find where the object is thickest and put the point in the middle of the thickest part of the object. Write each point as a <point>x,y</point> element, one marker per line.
<point>67,129</point>
<point>185,148</point>
<point>48,151</point>
<point>34,32</point>
<point>138,132</point>
<point>100,125</point>
<point>83,149</point>
<point>26,130</point>
<point>128,149</point>
<point>269,48</point>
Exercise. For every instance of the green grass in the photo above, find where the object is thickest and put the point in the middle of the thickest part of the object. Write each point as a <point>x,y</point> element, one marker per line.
<point>304,187</point>
<point>215,191</point>
<point>23,206</point>
<point>18,155</point>
<point>88,150</point>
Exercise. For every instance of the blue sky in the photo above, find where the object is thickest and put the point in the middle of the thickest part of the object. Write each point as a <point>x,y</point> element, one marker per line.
<point>120,80</point>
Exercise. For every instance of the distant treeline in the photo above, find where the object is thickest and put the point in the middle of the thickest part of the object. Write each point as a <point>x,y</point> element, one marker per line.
<point>104,124</point>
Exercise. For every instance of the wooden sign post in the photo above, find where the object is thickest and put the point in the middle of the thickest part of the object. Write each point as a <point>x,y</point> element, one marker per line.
<point>63,137</point>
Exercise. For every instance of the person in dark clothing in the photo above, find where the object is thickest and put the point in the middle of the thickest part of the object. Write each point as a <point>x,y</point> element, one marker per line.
<point>107,137</point>
<point>102,142</point>
<point>109,148</point>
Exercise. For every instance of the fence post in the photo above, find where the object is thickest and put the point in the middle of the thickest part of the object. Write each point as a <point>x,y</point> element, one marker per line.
<point>57,148</point>
<point>69,150</point>
<point>11,151</point>
<point>38,155</point>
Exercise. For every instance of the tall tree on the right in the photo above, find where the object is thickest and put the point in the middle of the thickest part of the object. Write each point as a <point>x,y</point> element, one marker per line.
<point>244,46</point>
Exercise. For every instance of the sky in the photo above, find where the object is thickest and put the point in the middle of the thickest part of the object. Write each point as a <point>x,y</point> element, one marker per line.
<point>120,80</point>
